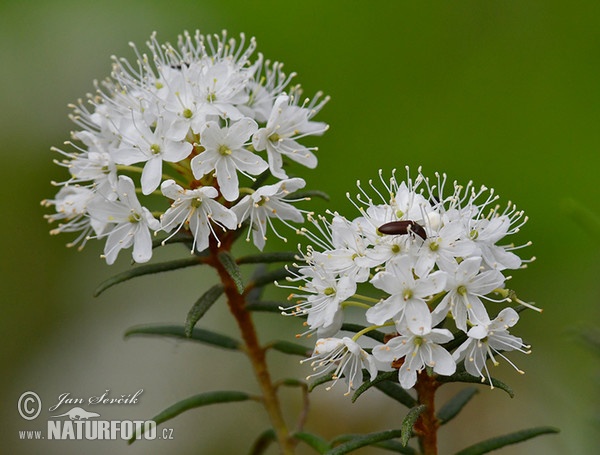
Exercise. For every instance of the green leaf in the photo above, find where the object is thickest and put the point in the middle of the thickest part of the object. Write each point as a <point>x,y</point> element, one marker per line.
<point>201,306</point>
<point>502,441</point>
<point>254,295</point>
<point>463,376</point>
<point>395,446</point>
<point>268,258</point>
<point>196,401</point>
<point>262,443</point>
<point>391,444</point>
<point>308,194</point>
<point>179,237</point>
<point>313,440</point>
<point>227,260</point>
<point>386,382</point>
<point>270,277</point>
<point>455,405</point>
<point>355,328</point>
<point>178,331</point>
<point>263,305</point>
<point>395,391</point>
<point>320,380</point>
<point>147,270</point>
<point>363,440</point>
<point>383,376</point>
<point>290,348</point>
<point>409,422</point>
<point>459,338</point>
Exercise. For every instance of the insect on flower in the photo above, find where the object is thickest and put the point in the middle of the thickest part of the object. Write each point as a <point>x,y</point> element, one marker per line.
<point>403,228</point>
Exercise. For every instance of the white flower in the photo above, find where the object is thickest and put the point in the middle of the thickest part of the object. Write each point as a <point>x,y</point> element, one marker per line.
<point>127,223</point>
<point>186,112</point>
<point>345,358</point>
<point>322,298</point>
<point>442,246</point>
<point>407,295</point>
<point>466,285</point>
<point>143,143</point>
<point>71,209</point>
<point>485,233</point>
<point>489,340</point>
<point>225,153</point>
<point>195,209</point>
<point>287,123</point>
<point>268,202</point>
<point>417,351</point>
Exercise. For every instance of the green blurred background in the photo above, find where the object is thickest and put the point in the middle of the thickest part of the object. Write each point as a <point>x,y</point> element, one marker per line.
<point>503,93</point>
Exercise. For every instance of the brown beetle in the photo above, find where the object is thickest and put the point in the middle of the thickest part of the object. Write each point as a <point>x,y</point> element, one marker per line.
<point>403,228</point>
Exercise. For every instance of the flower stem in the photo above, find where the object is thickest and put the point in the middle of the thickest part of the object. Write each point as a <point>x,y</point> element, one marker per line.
<point>255,352</point>
<point>427,424</point>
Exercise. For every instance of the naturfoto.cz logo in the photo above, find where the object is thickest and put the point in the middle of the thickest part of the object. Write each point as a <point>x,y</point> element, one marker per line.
<point>78,423</point>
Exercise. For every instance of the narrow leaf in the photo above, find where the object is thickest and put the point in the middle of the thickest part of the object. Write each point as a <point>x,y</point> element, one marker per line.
<point>201,306</point>
<point>409,422</point>
<point>147,270</point>
<point>263,305</point>
<point>455,405</point>
<point>313,440</point>
<point>364,440</point>
<point>196,401</point>
<point>320,380</point>
<point>459,338</point>
<point>391,444</point>
<point>262,443</point>
<point>290,348</point>
<point>270,277</point>
<point>268,258</point>
<point>395,446</point>
<point>395,391</point>
<point>383,376</point>
<point>463,376</point>
<point>178,331</point>
<point>233,270</point>
<point>355,328</point>
<point>308,194</point>
<point>179,237</point>
<point>502,441</point>
<point>255,294</point>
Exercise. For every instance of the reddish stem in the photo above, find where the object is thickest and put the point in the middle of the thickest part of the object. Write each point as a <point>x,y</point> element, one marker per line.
<point>256,354</point>
<point>427,424</point>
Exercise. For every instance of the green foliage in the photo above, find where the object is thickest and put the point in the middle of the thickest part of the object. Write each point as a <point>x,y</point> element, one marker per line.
<point>355,328</point>
<point>268,258</point>
<point>228,262</point>
<point>262,443</point>
<point>313,440</point>
<point>386,384</point>
<point>455,405</point>
<point>178,331</point>
<point>271,276</point>
<point>409,422</point>
<point>196,401</point>
<point>354,442</point>
<point>147,269</point>
<point>463,376</point>
<point>288,347</point>
<point>201,306</point>
<point>502,441</point>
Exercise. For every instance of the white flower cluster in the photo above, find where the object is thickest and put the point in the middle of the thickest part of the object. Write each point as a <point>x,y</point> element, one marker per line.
<point>431,260</point>
<point>178,128</point>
